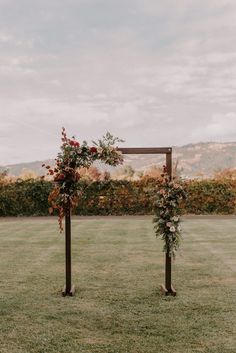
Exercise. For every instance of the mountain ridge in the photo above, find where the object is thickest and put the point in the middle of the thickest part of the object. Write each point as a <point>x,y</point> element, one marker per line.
<point>194,160</point>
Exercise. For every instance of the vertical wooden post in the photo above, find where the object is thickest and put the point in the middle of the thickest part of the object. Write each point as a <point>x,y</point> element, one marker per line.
<point>68,249</point>
<point>167,289</point>
<point>169,163</point>
<point>68,289</point>
<point>168,272</point>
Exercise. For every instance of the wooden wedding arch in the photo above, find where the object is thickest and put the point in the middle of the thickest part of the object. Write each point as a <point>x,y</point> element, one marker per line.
<point>167,288</point>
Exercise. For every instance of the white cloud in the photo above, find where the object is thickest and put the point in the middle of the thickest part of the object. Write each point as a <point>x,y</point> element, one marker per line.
<point>162,70</point>
<point>221,127</point>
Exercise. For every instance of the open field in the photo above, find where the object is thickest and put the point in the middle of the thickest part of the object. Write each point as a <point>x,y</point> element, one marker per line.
<point>117,269</point>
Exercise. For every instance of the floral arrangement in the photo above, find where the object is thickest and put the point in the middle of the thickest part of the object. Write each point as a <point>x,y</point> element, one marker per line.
<point>72,157</point>
<point>167,213</point>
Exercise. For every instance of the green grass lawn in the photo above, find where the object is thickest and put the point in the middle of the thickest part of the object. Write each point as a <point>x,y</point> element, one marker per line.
<point>118,267</point>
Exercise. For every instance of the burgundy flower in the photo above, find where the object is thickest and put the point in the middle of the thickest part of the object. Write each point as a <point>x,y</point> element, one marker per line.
<point>60,177</point>
<point>93,150</point>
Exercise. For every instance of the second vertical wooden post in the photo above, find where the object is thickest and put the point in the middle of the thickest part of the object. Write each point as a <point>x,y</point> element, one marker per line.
<point>69,289</point>
<point>168,289</point>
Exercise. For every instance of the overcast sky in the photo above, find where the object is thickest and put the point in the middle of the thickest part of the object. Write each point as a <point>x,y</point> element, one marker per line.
<point>155,73</point>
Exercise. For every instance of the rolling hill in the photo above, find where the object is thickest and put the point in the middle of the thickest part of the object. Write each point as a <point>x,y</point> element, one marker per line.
<point>194,160</point>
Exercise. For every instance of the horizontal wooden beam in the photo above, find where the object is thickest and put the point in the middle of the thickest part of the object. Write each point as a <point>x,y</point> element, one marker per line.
<point>146,150</point>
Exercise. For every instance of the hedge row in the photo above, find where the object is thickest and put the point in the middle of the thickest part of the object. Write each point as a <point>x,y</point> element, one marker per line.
<point>24,198</point>
<point>117,197</point>
<point>211,197</point>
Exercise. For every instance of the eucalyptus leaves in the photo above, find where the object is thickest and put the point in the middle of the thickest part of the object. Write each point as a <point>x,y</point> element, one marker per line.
<point>167,213</point>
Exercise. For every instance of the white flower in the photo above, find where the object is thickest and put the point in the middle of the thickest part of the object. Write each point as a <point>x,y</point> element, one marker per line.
<point>168,224</point>
<point>100,149</point>
<point>172,229</point>
<point>179,228</point>
<point>175,218</point>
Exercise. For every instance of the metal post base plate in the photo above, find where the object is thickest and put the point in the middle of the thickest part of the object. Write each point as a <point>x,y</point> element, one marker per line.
<point>165,291</point>
<point>71,293</point>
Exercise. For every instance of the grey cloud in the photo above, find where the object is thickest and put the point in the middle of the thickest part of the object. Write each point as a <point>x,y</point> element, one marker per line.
<point>150,72</point>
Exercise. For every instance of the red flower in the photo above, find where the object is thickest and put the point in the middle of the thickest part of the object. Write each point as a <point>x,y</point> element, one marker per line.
<point>59,177</point>
<point>77,176</point>
<point>74,143</point>
<point>93,150</point>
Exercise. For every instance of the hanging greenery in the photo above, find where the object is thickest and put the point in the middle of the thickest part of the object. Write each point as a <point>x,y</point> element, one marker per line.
<point>167,213</point>
<point>65,173</point>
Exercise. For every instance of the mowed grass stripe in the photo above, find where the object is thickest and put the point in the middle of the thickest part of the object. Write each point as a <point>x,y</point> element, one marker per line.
<point>117,269</point>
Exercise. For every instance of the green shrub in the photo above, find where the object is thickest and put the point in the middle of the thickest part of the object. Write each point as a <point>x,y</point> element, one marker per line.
<point>116,197</point>
<point>24,198</point>
<point>210,197</point>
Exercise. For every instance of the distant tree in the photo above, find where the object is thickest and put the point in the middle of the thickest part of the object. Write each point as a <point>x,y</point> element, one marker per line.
<point>177,170</point>
<point>3,175</point>
<point>106,175</point>
<point>91,173</point>
<point>154,171</point>
<point>228,173</point>
<point>140,173</point>
<point>28,174</point>
<point>125,172</point>
<point>128,171</point>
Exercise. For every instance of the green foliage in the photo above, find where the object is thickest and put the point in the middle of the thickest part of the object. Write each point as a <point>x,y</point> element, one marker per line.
<point>167,213</point>
<point>74,156</point>
<point>210,197</point>
<point>116,197</point>
<point>24,197</point>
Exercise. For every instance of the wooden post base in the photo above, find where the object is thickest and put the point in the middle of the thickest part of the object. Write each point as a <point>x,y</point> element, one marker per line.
<point>71,293</point>
<point>165,291</point>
